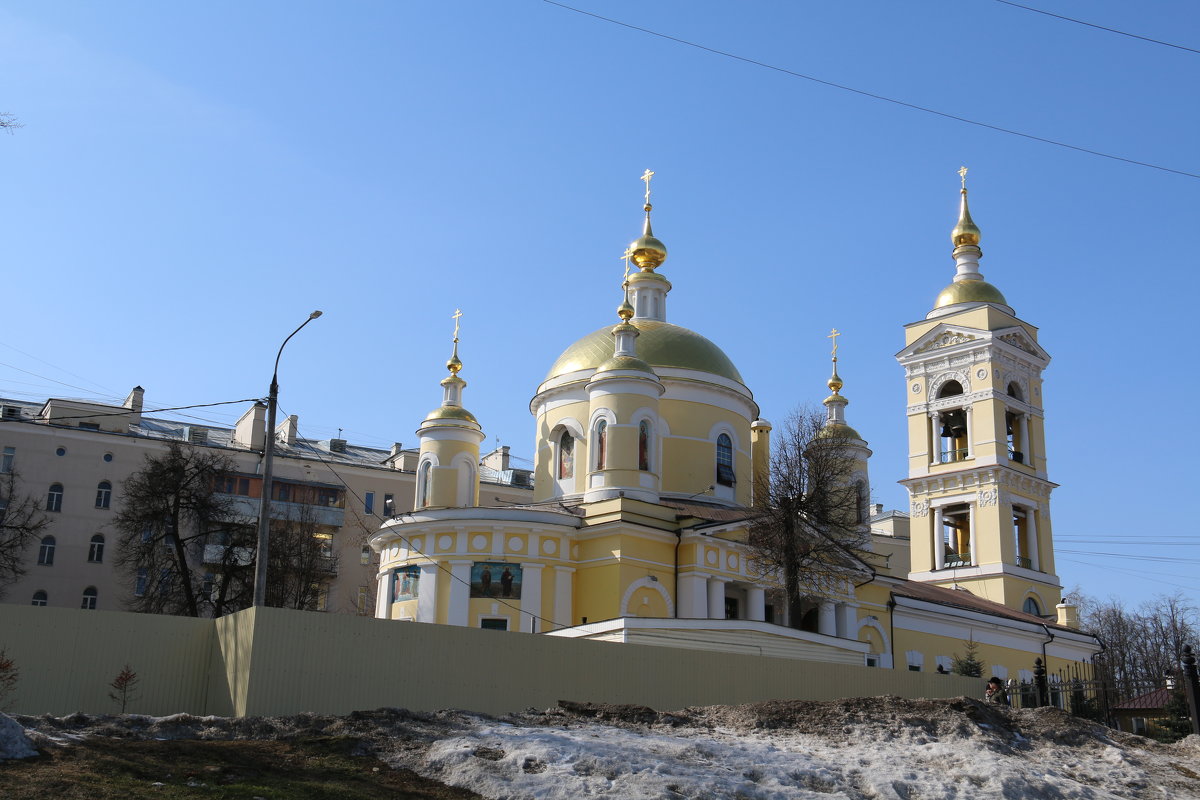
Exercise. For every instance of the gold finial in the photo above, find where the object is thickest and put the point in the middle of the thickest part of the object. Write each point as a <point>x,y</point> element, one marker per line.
<point>834,383</point>
<point>646,176</point>
<point>648,252</point>
<point>966,232</point>
<point>454,364</point>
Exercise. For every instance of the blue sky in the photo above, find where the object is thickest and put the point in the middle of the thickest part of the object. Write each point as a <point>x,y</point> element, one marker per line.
<point>194,178</point>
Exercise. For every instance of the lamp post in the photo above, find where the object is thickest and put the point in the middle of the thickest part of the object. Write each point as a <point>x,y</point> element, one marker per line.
<point>264,511</point>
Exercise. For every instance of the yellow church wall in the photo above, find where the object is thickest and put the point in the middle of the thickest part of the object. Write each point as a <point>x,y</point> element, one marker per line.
<point>444,476</point>
<point>597,592</point>
<point>405,609</point>
<point>577,413</point>
<point>1012,659</point>
<point>443,592</point>
<point>981,317</point>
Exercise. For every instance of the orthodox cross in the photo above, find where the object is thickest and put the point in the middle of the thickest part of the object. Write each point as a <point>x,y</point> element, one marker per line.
<point>646,176</point>
<point>628,254</point>
<point>833,335</point>
<point>456,316</point>
<point>962,173</point>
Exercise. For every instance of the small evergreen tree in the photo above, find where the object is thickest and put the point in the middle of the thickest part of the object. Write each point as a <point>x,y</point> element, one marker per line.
<point>9,675</point>
<point>124,687</point>
<point>1177,724</point>
<point>968,664</point>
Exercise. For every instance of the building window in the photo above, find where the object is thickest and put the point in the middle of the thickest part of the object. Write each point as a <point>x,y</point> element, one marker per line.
<point>103,494</point>
<point>601,443</point>
<point>566,455</point>
<point>363,603</point>
<point>6,462</point>
<point>143,578</point>
<point>39,598</point>
<point>54,497</point>
<point>207,585</point>
<point>324,543</point>
<point>233,484</point>
<point>494,624</point>
<point>956,536</point>
<point>365,558</point>
<point>424,487</point>
<point>1139,725</point>
<point>1031,607</point>
<point>46,551</point>
<point>89,426</point>
<point>61,451</point>
<point>108,457</point>
<point>89,599</point>
<point>644,445</point>
<point>389,501</point>
<point>725,475</point>
<point>96,549</point>
<point>369,503</point>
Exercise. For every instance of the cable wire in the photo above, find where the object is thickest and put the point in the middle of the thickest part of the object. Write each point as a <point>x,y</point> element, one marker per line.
<point>129,411</point>
<point>1099,27</point>
<point>874,96</point>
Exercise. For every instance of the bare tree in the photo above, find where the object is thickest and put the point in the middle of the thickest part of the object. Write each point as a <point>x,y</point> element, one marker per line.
<point>9,122</point>
<point>809,526</point>
<point>302,558</point>
<point>1143,644</point>
<point>21,522</point>
<point>177,534</point>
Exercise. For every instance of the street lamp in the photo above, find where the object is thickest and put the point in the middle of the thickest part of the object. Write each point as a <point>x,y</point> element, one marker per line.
<point>264,511</point>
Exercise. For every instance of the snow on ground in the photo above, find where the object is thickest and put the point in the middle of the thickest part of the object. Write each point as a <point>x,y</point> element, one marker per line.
<point>882,748</point>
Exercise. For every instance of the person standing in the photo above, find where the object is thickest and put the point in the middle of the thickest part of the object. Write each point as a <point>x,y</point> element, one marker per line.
<point>995,692</point>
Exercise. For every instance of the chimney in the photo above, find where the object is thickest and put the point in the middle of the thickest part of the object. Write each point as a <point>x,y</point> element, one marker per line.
<point>134,401</point>
<point>1068,615</point>
<point>497,459</point>
<point>876,508</point>
<point>249,429</point>
<point>288,429</point>
<point>337,445</point>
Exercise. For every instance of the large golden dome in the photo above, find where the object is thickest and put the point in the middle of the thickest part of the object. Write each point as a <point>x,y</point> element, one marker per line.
<point>660,344</point>
<point>969,292</point>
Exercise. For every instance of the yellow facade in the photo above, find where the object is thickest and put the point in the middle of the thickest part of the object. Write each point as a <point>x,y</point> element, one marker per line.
<point>648,444</point>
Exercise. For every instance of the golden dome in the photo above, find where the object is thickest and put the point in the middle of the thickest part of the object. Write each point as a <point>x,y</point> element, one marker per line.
<point>451,413</point>
<point>625,310</point>
<point>835,382</point>
<point>838,431</point>
<point>966,231</point>
<point>624,363</point>
<point>646,251</point>
<point>969,292</point>
<point>661,344</point>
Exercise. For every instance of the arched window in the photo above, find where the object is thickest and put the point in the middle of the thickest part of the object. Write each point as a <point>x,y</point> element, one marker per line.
<point>96,549</point>
<point>39,598</point>
<point>103,494</point>
<point>601,443</point>
<point>725,475</point>
<point>1014,390</point>
<point>89,598</point>
<point>644,445</point>
<point>54,497</point>
<point>1031,607</point>
<point>950,388</point>
<point>424,489</point>
<point>46,551</point>
<point>566,455</point>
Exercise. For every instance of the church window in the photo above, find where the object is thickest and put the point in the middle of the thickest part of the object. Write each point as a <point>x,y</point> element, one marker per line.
<point>40,598</point>
<point>725,475</point>
<point>6,462</point>
<point>89,598</point>
<point>956,535</point>
<point>1014,391</point>
<point>601,443</point>
<point>424,493</point>
<point>369,503</point>
<point>566,455</point>
<point>1031,607</point>
<point>389,501</point>
<point>1022,528</point>
<point>493,624</point>
<point>644,445</point>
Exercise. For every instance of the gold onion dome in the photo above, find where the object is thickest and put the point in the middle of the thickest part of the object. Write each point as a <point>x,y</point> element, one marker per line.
<point>966,232</point>
<point>834,383</point>
<point>661,344</point>
<point>625,310</point>
<point>976,291</point>
<point>647,251</point>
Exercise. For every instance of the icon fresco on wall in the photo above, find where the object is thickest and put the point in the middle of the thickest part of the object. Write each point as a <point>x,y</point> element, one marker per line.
<point>406,584</point>
<point>496,579</point>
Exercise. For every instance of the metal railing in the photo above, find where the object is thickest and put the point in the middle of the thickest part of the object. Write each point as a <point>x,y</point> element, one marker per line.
<point>1017,456</point>
<point>957,560</point>
<point>1022,561</point>
<point>950,456</point>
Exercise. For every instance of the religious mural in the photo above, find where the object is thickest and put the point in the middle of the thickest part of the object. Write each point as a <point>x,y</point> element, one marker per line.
<point>493,579</point>
<point>406,583</point>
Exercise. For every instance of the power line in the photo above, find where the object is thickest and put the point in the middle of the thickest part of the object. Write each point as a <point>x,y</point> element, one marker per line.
<point>1099,27</point>
<point>874,96</point>
<point>129,411</point>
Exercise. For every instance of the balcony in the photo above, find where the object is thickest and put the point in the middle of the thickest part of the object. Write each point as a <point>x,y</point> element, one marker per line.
<point>328,516</point>
<point>951,456</point>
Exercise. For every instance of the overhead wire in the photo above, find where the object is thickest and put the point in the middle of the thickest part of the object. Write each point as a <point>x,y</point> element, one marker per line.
<point>1099,27</point>
<point>129,411</point>
<point>874,96</point>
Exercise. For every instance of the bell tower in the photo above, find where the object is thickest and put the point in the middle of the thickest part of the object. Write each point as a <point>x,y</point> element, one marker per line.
<point>980,498</point>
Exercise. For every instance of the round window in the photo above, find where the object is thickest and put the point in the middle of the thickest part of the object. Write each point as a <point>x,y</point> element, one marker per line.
<point>62,451</point>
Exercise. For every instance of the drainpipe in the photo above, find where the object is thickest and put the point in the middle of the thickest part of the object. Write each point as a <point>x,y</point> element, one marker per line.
<point>678,541</point>
<point>892,628</point>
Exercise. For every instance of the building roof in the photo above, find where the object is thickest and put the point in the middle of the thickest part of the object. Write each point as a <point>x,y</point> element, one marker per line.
<point>660,344</point>
<point>961,598</point>
<point>1155,699</point>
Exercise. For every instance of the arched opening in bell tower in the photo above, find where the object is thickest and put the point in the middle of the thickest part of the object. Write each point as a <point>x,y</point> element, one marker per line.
<point>950,427</point>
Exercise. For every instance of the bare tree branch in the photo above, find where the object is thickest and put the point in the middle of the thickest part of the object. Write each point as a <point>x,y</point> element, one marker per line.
<point>21,523</point>
<point>9,122</point>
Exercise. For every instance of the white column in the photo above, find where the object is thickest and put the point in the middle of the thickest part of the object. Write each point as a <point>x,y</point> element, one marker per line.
<point>970,437</point>
<point>427,593</point>
<point>693,595</point>
<point>971,534</point>
<point>939,534</point>
<point>826,618</point>
<point>935,449</point>
<point>716,598</point>
<point>1023,427</point>
<point>383,609</point>
<point>563,593</point>
<point>531,598</point>
<point>847,621</point>
<point>1031,539</point>
<point>756,603</point>
<point>460,593</point>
